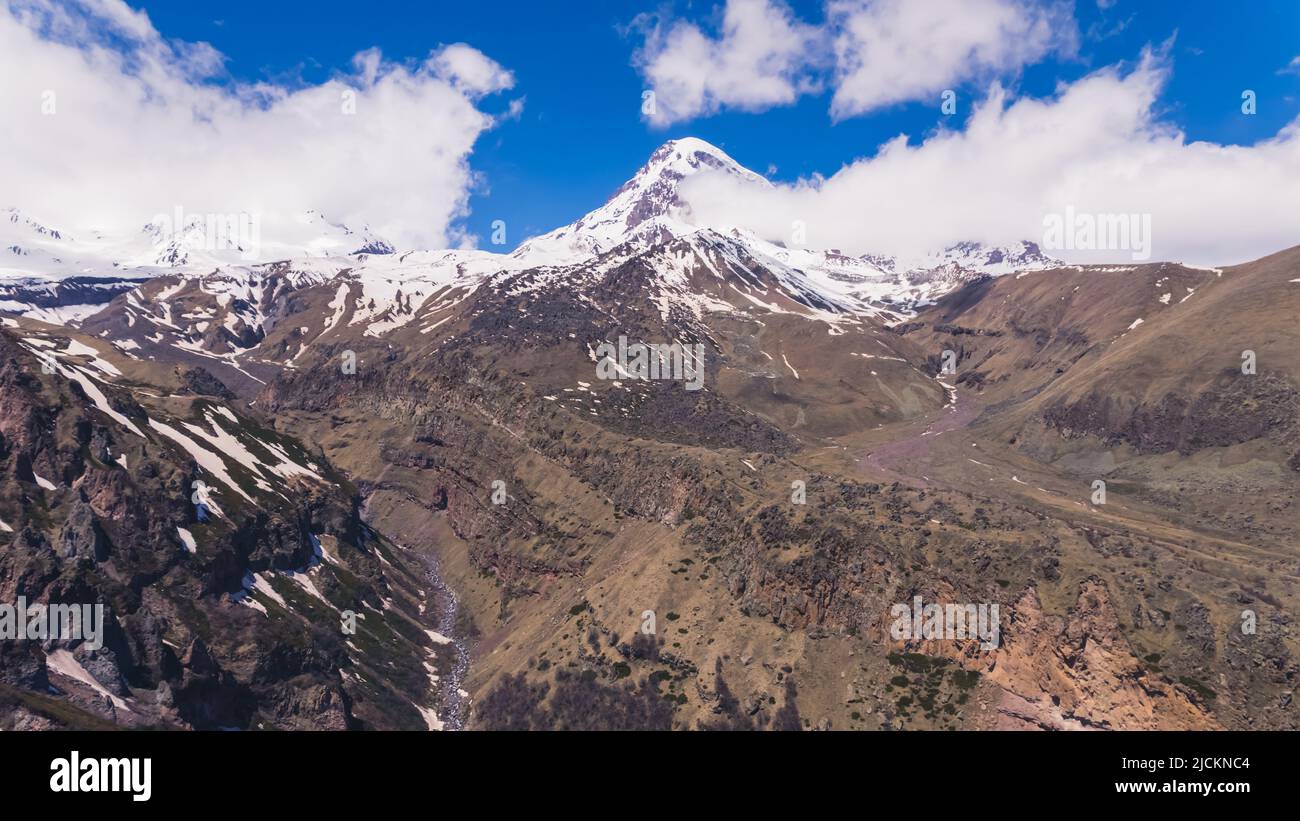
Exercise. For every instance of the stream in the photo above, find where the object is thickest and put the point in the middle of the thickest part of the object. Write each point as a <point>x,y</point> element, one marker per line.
<point>453,703</point>
<point>453,706</point>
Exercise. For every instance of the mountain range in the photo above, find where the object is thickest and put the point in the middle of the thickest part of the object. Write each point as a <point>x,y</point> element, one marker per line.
<point>424,445</point>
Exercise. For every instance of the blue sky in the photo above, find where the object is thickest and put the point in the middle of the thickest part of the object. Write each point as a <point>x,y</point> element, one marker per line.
<point>581,132</point>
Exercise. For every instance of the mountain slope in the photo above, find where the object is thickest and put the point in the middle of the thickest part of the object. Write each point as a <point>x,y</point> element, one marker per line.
<point>225,621</point>
<point>1135,374</point>
<point>488,461</point>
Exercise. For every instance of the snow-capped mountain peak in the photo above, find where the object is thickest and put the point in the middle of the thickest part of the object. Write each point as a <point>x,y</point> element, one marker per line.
<point>18,218</point>
<point>177,245</point>
<point>645,210</point>
<point>649,210</point>
<point>994,260</point>
<point>336,238</point>
<point>653,191</point>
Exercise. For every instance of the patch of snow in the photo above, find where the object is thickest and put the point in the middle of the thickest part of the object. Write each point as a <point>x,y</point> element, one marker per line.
<point>65,664</point>
<point>243,597</point>
<point>791,367</point>
<point>305,582</point>
<point>76,348</point>
<point>287,467</point>
<point>428,328</point>
<point>97,396</point>
<point>951,391</point>
<point>254,581</point>
<point>874,356</point>
<point>430,716</point>
<point>207,460</point>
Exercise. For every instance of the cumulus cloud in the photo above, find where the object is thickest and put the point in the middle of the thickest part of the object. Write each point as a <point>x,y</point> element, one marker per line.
<point>108,123</point>
<point>892,51</point>
<point>1096,146</point>
<point>874,53</point>
<point>469,69</point>
<point>761,58</point>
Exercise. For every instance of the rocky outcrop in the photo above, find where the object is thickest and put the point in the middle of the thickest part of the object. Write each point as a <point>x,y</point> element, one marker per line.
<point>200,381</point>
<point>1079,671</point>
<point>178,648</point>
<point>1233,410</point>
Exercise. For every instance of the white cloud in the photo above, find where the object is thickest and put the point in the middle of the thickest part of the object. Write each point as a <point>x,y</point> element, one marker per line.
<point>892,51</point>
<point>1292,67</point>
<point>1096,146</point>
<point>873,52</point>
<point>139,128</point>
<point>760,59</point>
<point>467,68</point>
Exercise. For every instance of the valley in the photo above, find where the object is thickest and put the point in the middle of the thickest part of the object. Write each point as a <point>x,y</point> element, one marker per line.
<point>424,440</point>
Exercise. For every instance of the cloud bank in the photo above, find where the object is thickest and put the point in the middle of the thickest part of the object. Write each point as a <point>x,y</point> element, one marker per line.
<point>108,123</point>
<point>1096,147</point>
